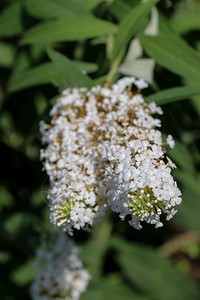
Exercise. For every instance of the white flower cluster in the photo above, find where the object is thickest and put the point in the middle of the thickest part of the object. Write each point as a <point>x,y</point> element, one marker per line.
<point>103,150</point>
<point>61,274</point>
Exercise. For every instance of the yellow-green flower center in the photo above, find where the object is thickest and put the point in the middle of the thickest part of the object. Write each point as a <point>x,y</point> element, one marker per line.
<point>143,203</point>
<point>63,211</point>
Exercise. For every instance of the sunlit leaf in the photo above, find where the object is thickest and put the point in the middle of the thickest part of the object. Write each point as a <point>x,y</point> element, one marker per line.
<point>173,94</point>
<point>86,66</point>
<point>51,8</point>
<point>68,29</point>
<point>44,74</point>
<point>165,27</point>
<point>88,4</point>
<point>31,77</point>
<point>173,54</point>
<point>119,9</point>
<point>67,72</point>
<point>185,23</point>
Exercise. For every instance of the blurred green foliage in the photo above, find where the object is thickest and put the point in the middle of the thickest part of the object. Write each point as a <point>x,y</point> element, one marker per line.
<point>46,45</point>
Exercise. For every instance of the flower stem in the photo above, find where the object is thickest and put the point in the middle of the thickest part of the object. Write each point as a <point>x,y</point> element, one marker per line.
<point>114,67</point>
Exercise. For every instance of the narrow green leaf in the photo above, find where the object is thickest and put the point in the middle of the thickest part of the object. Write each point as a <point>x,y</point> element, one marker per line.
<point>182,157</point>
<point>153,273</point>
<point>97,247</point>
<point>24,274</point>
<point>50,8</point>
<point>196,98</point>
<point>68,29</point>
<point>100,80</point>
<point>112,289</point>
<point>22,62</point>
<point>130,25</point>
<point>11,20</point>
<point>86,66</point>
<point>44,74</point>
<point>186,22</point>
<point>190,181</point>
<point>187,213</point>
<point>119,9</point>
<point>165,27</point>
<point>68,72</point>
<point>173,94</point>
<point>31,77</point>
<point>7,53</point>
<point>88,5</point>
<point>173,54</point>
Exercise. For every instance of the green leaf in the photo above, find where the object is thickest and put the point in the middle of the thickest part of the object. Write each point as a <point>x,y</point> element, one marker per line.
<point>1,97</point>
<point>9,135</point>
<point>187,212</point>
<point>50,8</point>
<point>6,198</point>
<point>7,53</point>
<point>86,66</point>
<point>173,54</point>
<point>165,27</point>
<point>112,288</point>
<point>11,20</point>
<point>68,72</point>
<point>119,9</point>
<point>24,274</point>
<point>22,62</point>
<point>97,247</point>
<point>173,94</point>
<point>88,5</point>
<point>100,80</point>
<point>130,25</point>
<point>31,77</point>
<point>182,156</point>
<point>68,29</point>
<point>44,74</point>
<point>16,221</point>
<point>187,22</point>
<point>153,273</point>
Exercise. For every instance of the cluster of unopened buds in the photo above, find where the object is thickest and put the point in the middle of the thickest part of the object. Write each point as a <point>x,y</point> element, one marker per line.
<point>103,150</point>
<point>60,272</point>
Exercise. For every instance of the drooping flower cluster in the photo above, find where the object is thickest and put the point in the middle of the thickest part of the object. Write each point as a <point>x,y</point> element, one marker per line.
<point>60,273</point>
<point>103,150</point>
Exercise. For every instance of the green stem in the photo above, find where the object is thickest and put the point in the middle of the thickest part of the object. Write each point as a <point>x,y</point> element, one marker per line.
<point>114,67</point>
